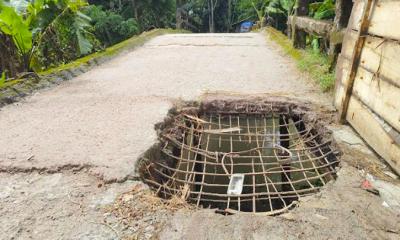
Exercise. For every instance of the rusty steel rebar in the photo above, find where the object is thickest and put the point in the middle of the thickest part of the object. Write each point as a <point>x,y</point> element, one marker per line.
<point>280,157</point>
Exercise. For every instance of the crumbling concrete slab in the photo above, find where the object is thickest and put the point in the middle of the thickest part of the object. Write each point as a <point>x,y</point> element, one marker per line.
<point>56,206</point>
<point>103,120</point>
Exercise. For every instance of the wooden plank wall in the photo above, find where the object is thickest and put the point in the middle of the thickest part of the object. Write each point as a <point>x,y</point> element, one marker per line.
<point>374,104</point>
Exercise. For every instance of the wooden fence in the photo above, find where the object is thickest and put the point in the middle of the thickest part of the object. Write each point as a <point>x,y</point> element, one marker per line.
<point>367,93</point>
<point>299,25</point>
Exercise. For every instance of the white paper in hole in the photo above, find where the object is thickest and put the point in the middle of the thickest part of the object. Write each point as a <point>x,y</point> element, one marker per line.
<point>236,184</point>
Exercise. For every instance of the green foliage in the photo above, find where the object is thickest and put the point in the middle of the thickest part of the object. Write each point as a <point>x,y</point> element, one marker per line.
<point>250,9</point>
<point>14,25</point>
<point>287,46</point>
<point>19,5</point>
<point>260,10</point>
<point>315,44</point>
<point>80,24</point>
<point>110,27</point>
<point>318,66</point>
<point>155,14</point>
<point>54,15</point>
<point>45,31</point>
<point>281,7</point>
<point>2,79</point>
<point>148,14</point>
<point>322,10</point>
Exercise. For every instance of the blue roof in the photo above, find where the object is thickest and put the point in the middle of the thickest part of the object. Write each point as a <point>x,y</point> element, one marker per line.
<point>247,24</point>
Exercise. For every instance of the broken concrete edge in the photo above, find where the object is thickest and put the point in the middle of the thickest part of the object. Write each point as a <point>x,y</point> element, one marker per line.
<point>68,168</point>
<point>310,112</point>
<point>46,170</point>
<point>15,90</point>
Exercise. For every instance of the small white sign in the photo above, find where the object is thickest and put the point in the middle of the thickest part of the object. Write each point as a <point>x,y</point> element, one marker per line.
<point>236,184</point>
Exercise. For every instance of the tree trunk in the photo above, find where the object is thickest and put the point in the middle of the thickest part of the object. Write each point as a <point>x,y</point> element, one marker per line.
<point>135,9</point>
<point>211,7</point>
<point>229,16</point>
<point>299,36</point>
<point>10,61</point>
<point>209,15</point>
<point>178,16</point>
<point>342,17</point>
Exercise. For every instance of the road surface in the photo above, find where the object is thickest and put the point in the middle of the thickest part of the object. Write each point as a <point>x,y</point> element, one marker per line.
<point>68,151</point>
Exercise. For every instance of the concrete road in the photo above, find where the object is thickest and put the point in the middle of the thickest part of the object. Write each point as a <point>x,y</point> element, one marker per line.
<point>103,120</point>
<point>59,146</point>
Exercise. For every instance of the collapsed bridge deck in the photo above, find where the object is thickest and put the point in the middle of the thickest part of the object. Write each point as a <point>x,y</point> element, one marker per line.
<point>259,161</point>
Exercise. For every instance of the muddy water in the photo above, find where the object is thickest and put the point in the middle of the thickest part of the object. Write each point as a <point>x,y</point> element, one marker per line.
<point>252,146</point>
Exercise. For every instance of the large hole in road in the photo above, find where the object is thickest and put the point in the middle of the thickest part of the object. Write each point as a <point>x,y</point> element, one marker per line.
<point>240,156</point>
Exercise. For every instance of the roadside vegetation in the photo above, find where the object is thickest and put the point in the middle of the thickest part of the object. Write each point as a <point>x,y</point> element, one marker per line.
<point>43,34</point>
<point>39,35</point>
<point>310,60</point>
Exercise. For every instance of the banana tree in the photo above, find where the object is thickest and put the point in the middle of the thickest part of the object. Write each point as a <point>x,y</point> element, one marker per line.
<point>323,10</point>
<point>283,7</point>
<point>31,23</point>
<point>260,10</point>
<point>14,25</point>
<point>278,11</point>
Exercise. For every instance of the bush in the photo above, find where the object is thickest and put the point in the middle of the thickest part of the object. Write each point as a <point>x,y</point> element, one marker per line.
<point>60,45</point>
<point>110,27</point>
<point>318,66</point>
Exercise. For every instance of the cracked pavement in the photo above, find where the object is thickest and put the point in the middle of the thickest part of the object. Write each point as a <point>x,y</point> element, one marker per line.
<point>66,152</point>
<point>103,120</point>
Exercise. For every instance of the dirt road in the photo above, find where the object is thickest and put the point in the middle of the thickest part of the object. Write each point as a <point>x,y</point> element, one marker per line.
<point>68,151</point>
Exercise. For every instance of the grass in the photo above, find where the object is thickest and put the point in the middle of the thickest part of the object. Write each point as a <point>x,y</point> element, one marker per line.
<point>10,83</point>
<point>316,64</point>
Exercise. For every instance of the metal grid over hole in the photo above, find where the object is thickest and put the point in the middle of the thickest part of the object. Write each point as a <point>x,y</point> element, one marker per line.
<point>279,157</point>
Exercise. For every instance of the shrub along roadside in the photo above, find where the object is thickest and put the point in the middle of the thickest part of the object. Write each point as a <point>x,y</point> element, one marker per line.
<point>110,27</point>
<point>41,33</point>
<point>312,62</point>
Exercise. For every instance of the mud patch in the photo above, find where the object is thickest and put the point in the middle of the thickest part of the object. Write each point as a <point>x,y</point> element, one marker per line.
<point>240,156</point>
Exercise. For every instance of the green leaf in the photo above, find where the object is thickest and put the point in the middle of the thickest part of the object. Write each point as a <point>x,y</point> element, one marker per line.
<point>75,5</point>
<point>20,6</point>
<point>84,44</point>
<point>325,14</point>
<point>14,25</point>
<point>274,10</point>
<point>81,22</point>
<point>323,10</point>
<point>287,4</point>
<point>3,78</point>
<point>315,44</point>
<point>314,6</point>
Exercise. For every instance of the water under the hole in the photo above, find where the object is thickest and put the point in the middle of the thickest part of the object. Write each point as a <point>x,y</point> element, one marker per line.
<point>247,133</point>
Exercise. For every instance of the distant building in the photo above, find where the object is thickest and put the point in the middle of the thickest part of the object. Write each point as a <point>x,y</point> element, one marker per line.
<point>244,26</point>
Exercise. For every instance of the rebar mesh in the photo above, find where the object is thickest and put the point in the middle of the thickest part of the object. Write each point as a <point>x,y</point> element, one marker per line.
<point>279,157</point>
